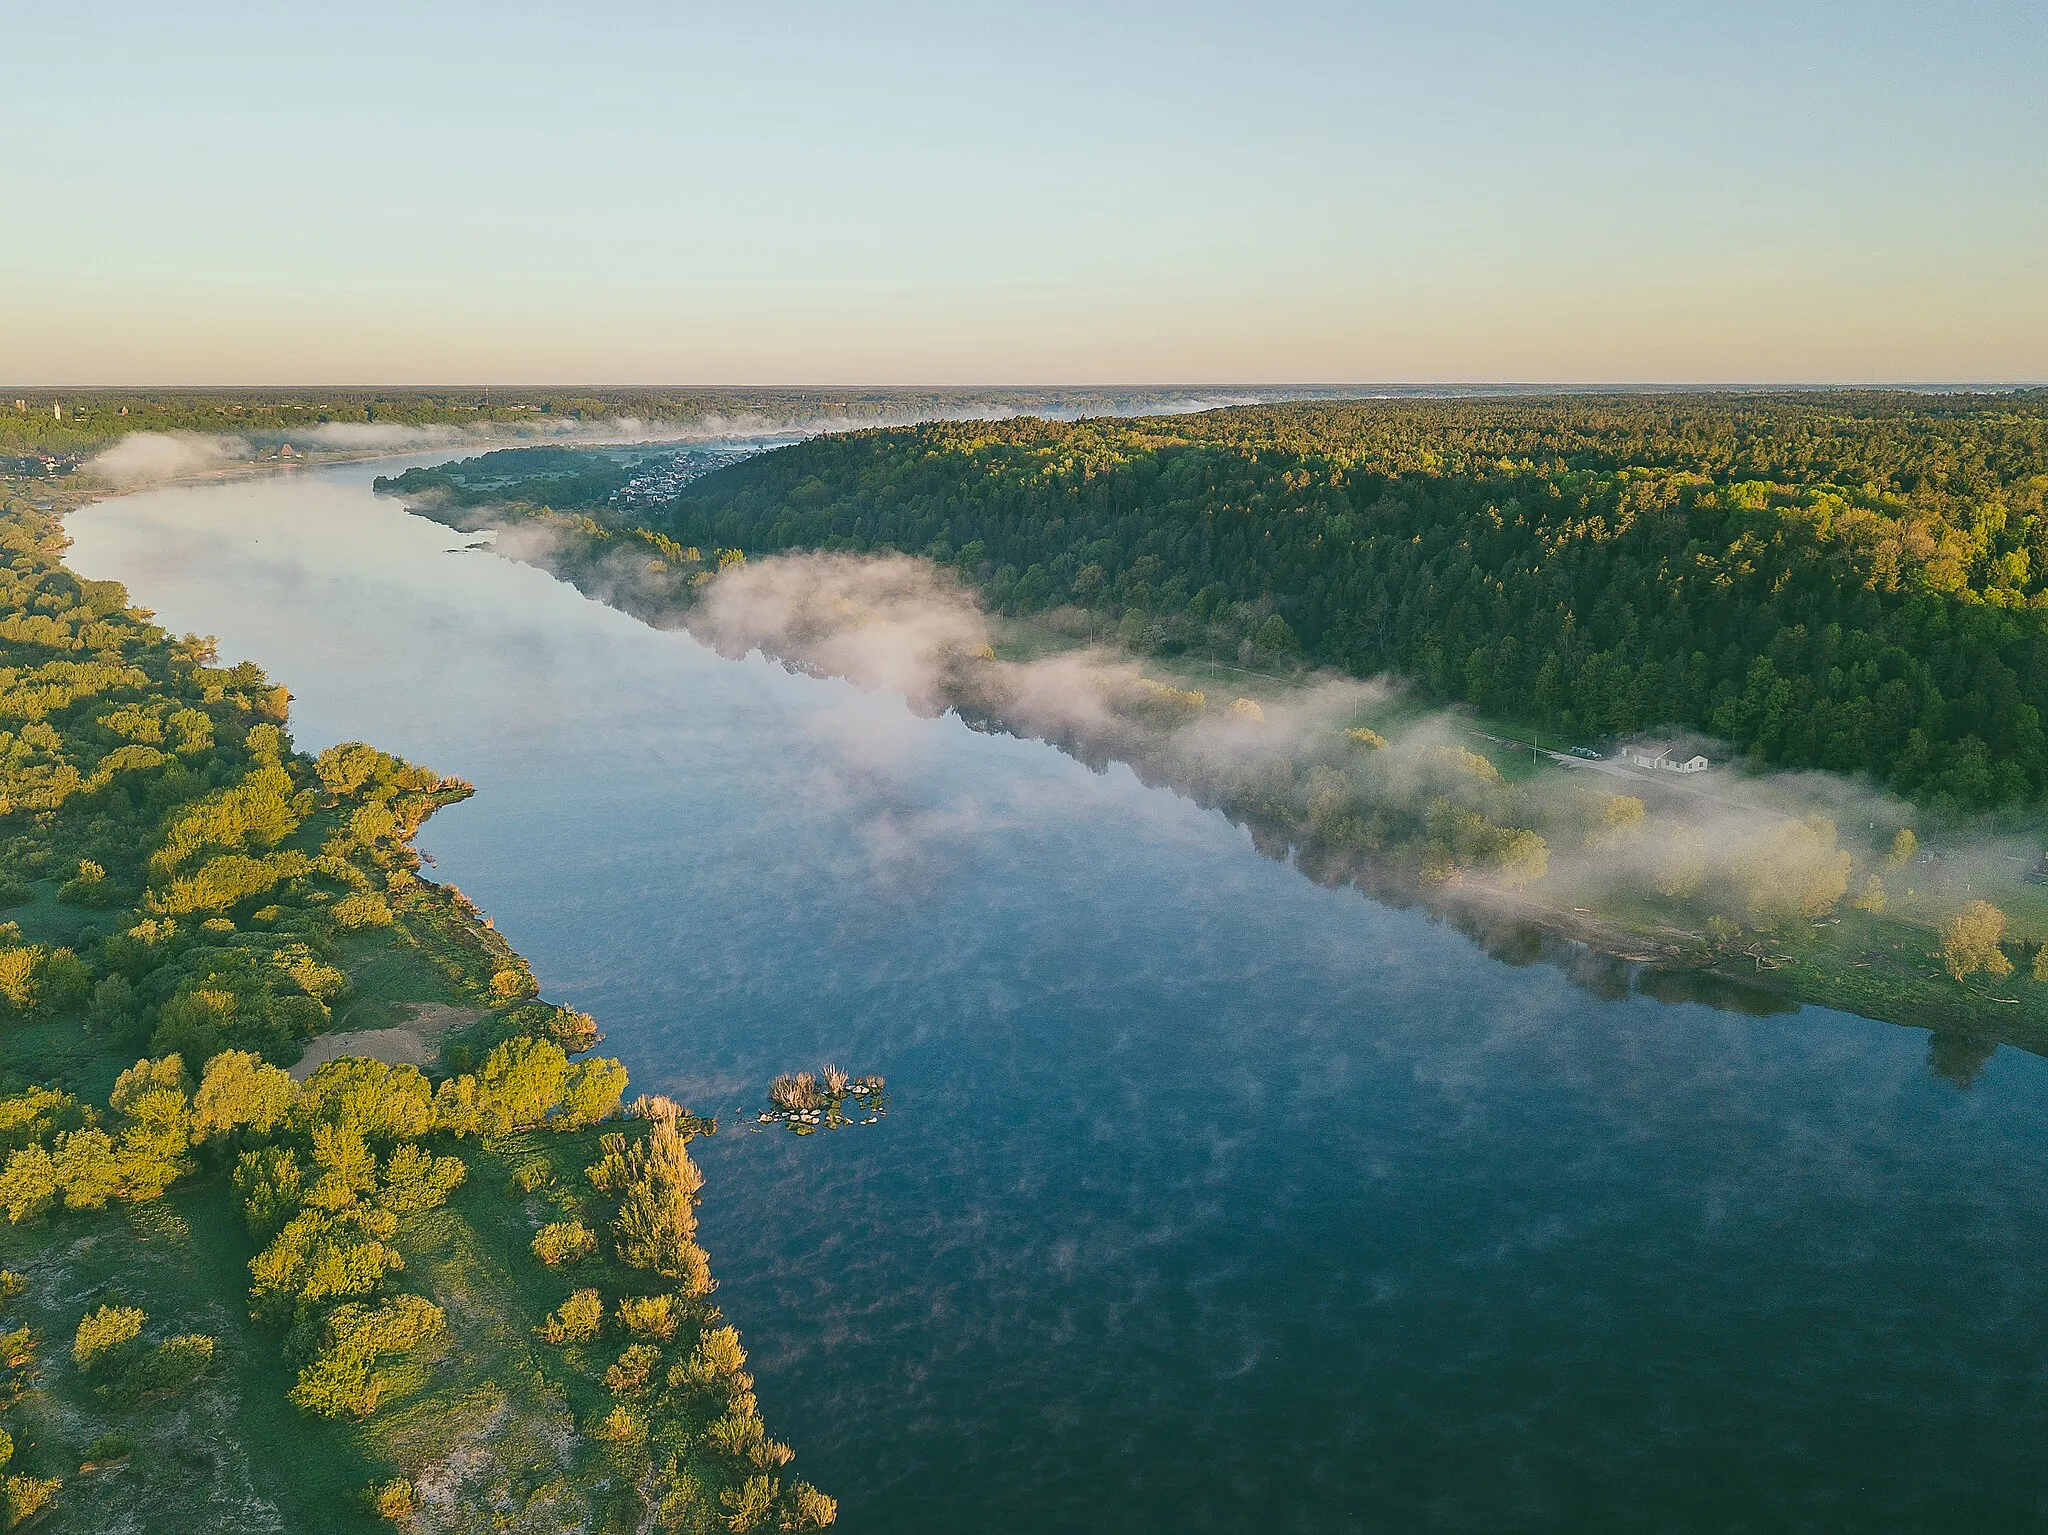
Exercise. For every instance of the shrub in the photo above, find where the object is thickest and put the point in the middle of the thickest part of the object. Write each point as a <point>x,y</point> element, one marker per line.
<point>28,1185</point>
<point>108,1448</point>
<point>105,1335</point>
<point>415,1180</point>
<point>321,1256</point>
<point>657,1219</point>
<point>386,1103</point>
<point>576,1320</point>
<point>345,1377</point>
<point>806,1508</point>
<point>1969,941</point>
<point>561,1242</point>
<point>591,1094</point>
<point>621,1426</point>
<point>609,1174</point>
<point>721,1352</point>
<point>269,1183</point>
<point>31,1117</point>
<point>18,974</point>
<point>27,1496</point>
<point>64,982</point>
<point>749,1505</point>
<point>171,1366</point>
<point>354,913</point>
<point>795,1093</point>
<point>520,1084</point>
<point>240,1091</point>
<point>394,1500</point>
<point>87,1170</point>
<point>629,1374</point>
<point>649,1316</point>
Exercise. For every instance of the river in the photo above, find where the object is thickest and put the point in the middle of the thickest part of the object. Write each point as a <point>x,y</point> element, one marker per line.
<point>1210,1199</point>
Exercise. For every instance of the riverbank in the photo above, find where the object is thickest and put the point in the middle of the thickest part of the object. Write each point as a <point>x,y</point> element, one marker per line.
<point>464,1324</point>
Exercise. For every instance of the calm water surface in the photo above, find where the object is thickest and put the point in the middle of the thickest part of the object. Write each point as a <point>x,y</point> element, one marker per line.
<point>1210,1199</point>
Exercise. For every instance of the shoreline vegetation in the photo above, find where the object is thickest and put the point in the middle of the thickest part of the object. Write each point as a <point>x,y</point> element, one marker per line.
<point>1870,553</point>
<point>248,1286</point>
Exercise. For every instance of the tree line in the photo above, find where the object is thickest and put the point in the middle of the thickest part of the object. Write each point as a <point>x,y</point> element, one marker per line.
<point>1843,581</point>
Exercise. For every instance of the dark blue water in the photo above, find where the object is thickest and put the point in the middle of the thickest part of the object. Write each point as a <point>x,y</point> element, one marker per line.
<point>1210,1199</point>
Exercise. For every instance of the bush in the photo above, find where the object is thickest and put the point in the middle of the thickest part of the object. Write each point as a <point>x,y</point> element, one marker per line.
<point>28,1185</point>
<point>18,971</point>
<point>240,1091</point>
<point>270,1186</point>
<point>105,1335</point>
<point>806,1508</point>
<point>561,1242</point>
<point>649,1316</point>
<point>171,1366</point>
<point>630,1373</point>
<point>386,1103</point>
<point>621,1426</point>
<point>345,1377</point>
<point>108,1448</point>
<point>320,1256</point>
<point>576,1320</point>
<point>749,1505</point>
<point>27,1496</point>
<point>363,910</point>
<point>414,1180</point>
<point>1969,941</point>
<point>393,1500</point>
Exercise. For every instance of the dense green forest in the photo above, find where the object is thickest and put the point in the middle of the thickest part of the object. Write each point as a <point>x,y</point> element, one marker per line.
<point>236,1296</point>
<point>1854,582</point>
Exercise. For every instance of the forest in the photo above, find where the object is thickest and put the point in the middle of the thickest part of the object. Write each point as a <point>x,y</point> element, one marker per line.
<point>240,1295</point>
<point>1855,582</point>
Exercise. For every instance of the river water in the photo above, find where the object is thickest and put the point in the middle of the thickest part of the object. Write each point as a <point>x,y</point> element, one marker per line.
<point>1210,1199</point>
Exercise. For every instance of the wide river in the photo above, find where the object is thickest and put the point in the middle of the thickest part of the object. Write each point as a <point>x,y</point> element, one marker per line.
<point>1210,1199</point>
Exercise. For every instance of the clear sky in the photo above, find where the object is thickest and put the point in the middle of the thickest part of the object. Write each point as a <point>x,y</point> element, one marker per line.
<point>754,192</point>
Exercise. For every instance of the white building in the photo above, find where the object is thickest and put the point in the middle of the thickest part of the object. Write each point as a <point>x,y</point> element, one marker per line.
<point>1664,759</point>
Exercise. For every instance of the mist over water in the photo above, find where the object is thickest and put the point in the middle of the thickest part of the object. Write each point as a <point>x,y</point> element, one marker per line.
<point>1210,1198</point>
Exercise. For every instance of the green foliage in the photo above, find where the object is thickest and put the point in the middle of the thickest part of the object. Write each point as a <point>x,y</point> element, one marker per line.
<point>650,1316</point>
<point>416,1180</point>
<point>561,1242</point>
<point>1854,582</point>
<point>240,1092</point>
<point>350,1375</point>
<point>27,1496</point>
<point>525,1083</point>
<point>633,1371</point>
<point>1969,942</point>
<point>577,1320</point>
<point>382,1102</point>
<point>106,1335</point>
<point>657,1221</point>
<point>319,1256</point>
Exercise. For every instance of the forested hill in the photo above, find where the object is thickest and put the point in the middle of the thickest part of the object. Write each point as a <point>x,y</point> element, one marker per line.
<point>1848,581</point>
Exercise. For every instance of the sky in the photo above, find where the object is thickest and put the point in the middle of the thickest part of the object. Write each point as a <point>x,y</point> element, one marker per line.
<point>1620,191</point>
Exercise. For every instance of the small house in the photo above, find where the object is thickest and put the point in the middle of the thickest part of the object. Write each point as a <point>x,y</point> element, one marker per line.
<point>1663,759</point>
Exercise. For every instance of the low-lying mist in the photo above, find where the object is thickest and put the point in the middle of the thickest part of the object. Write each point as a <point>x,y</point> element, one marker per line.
<point>1353,779</point>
